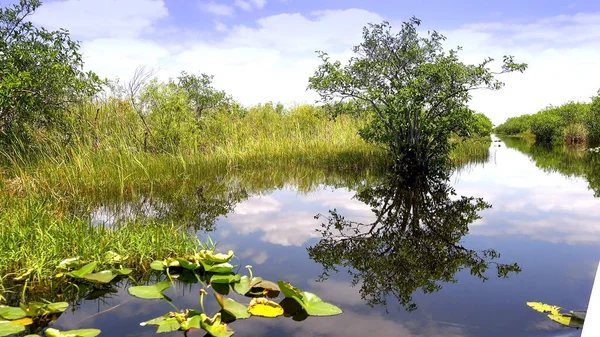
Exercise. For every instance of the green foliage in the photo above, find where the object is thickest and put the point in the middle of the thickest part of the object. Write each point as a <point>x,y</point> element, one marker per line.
<point>593,121</point>
<point>481,125</point>
<point>418,92</point>
<point>515,125</point>
<point>40,75</point>
<point>575,134</point>
<point>570,123</point>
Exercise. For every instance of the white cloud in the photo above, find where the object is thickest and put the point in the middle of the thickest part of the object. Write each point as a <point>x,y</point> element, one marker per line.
<point>220,27</point>
<point>272,59</point>
<point>217,8</point>
<point>259,3</point>
<point>245,5</point>
<point>561,52</point>
<point>101,18</point>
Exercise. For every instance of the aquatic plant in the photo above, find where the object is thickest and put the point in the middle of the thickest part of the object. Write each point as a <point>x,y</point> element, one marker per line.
<point>215,271</point>
<point>572,319</point>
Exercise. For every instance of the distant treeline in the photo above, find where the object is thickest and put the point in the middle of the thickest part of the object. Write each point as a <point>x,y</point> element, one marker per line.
<point>572,123</point>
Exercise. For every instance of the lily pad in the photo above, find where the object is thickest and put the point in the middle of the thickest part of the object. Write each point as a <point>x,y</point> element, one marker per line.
<point>211,257</point>
<point>165,323</point>
<point>37,309</point>
<point>225,279</point>
<point>543,307</point>
<point>311,303</point>
<point>214,326</point>
<point>158,265</point>
<point>268,288</point>
<point>567,320</point>
<point>50,332</point>
<point>237,310</point>
<point>184,263</point>
<point>8,328</point>
<point>106,276</point>
<point>83,271</point>
<point>315,306</point>
<point>150,292</point>
<point>245,284</point>
<point>10,313</point>
<point>70,263</point>
<point>264,308</point>
<point>221,268</point>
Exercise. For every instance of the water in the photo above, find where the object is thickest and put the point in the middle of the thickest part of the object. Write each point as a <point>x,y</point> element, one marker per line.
<point>544,216</point>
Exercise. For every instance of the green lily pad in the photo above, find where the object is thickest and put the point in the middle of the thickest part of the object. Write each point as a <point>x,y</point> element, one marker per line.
<point>37,309</point>
<point>10,313</point>
<point>225,279</point>
<point>245,284</point>
<point>81,272</point>
<point>106,276</point>
<point>8,328</point>
<point>290,291</point>
<point>237,310</point>
<point>158,265</point>
<point>50,332</point>
<point>214,326</point>
<point>184,263</point>
<point>211,257</point>
<point>70,263</point>
<point>176,321</point>
<point>221,268</point>
<point>311,303</point>
<point>315,306</point>
<point>150,292</point>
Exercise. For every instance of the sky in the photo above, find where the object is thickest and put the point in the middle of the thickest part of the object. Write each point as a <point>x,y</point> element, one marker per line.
<point>264,50</point>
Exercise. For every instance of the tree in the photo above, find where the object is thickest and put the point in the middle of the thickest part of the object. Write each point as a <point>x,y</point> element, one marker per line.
<point>419,93</point>
<point>40,74</point>
<point>201,94</point>
<point>413,243</point>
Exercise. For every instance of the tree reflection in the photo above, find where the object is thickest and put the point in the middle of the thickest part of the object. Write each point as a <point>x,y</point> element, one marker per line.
<point>414,242</point>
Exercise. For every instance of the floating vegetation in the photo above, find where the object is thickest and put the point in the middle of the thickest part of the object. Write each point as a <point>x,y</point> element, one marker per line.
<point>573,319</point>
<point>13,320</point>
<point>215,271</point>
<point>212,270</point>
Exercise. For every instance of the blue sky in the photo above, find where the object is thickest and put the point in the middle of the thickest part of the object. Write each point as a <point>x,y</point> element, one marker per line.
<point>263,50</point>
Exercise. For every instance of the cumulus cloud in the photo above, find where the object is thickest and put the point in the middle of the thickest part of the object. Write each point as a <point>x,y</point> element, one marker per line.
<point>89,19</point>
<point>272,58</point>
<point>217,8</point>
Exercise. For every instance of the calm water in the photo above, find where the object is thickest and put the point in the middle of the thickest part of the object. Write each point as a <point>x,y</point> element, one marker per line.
<point>544,217</point>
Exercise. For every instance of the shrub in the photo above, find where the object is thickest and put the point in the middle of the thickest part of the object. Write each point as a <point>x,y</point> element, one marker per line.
<point>575,134</point>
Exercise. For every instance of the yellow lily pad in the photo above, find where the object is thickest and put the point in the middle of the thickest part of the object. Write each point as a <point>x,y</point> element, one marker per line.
<point>265,308</point>
<point>543,307</point>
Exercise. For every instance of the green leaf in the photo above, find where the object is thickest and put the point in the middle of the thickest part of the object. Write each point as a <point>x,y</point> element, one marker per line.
<point>150,292</point>
<point>226,279</point>
<point>158,265</point>
<point>237,310</point>
<point>214,326</point>
<point>184,263</point>
<point>7,328</point>
<point>221,268</point>
<point>50,332</point>
<point>36,309</point>
<point>165,323</point>
<point>245,284</point>
<point>290,291</point>
<point>81,272</point>
<point>315,306</point>
<point>73,262</point>
<point>106,276</point>
<point>10,313</point>
<point>211,257</point>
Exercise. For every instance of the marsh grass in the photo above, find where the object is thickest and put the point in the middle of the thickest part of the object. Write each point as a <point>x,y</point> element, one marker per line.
<point>47,191</point>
